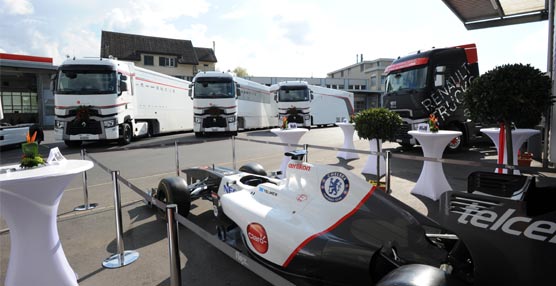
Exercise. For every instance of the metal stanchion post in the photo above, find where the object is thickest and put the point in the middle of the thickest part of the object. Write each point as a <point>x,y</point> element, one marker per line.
<point>85,206</point>
<point>177,159</point>
<point>173,246</point>
<point>234,152</point>
<point>123,257</point>
<point>388,166</point>
<point>306,147</point>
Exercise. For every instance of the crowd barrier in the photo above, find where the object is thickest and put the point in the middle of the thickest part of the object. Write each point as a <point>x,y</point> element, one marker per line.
<point>124,257</point>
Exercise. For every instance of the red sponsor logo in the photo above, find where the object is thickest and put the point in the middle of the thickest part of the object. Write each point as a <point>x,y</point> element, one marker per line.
<point>257,236</point>
<point>299,166</point>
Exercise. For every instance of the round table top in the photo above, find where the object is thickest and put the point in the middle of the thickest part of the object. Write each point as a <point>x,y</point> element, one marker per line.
<point>291,130</point>
<point>496,130</point>
<point>434,134</point>
<point>345,124</point>
<point>58,168</point>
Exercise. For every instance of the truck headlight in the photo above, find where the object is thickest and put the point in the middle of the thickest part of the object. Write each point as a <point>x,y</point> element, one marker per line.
<point>198,120</point>
<point>109,123</point>
<point>307,117</point>
<point>231,119</point>
<point>59,124</point>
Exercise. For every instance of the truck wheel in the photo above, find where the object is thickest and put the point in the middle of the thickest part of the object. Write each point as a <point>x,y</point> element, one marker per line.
<point>173,190</point>
<point>456,145</point>
<point>126,134</point>
<point>73,144</point>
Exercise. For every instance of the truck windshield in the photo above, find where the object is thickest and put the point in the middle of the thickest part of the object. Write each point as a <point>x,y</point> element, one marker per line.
<point>291,94</point>
<point>408,79</point>
<point>213,88</point>
<point>86,82</point>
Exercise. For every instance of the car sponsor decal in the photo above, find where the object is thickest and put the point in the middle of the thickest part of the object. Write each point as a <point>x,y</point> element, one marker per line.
<point>257,237</point>
<point>329,229</point>
<point>334,186</point>
<point>301,198</point>
<point>542,230</point>
<point>269,192</point>
<point>299,166</point>
<point>229,189</point>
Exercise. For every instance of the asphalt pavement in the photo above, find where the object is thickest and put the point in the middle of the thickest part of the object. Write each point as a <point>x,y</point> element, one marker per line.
<point>89,237</point>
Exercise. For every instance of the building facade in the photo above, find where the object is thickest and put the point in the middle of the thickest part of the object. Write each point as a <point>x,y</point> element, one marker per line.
<point>173,57</point>
<point>25,89</point>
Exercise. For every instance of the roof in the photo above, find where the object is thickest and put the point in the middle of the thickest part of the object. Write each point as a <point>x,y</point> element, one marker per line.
<point>478,14</point>
<point>130,47</point>
<point>205,55</point>
<point>25,61</point>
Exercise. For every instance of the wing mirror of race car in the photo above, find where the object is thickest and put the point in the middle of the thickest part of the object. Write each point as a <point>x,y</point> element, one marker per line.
<point>296,154</point>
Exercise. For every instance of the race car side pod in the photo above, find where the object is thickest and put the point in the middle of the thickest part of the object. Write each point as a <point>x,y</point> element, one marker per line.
<point>123,257</point>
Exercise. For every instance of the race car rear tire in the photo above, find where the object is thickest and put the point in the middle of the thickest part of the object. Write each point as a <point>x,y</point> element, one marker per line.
<point>414,275</point>
<point>173,190</point>
<point>253,168</point>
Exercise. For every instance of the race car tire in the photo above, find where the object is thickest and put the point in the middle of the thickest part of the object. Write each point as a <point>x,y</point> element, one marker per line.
<point>173,190</point>
<point>414,275</point>
<point>253,168</point>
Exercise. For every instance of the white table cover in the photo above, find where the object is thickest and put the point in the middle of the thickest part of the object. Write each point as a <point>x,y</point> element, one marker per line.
<point>290,136</point>
<point>29,201</point>
<point>432,181</point>
<point>348,129</point>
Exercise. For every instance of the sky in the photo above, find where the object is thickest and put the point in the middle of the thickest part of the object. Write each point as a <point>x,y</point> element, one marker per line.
<point>285,38</point>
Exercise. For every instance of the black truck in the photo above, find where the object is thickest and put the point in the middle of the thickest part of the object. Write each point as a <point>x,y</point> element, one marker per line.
<point>433,82</point>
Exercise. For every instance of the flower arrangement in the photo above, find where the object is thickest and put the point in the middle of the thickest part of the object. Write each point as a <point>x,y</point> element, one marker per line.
<point>31,157</point>
<point>433,123</point>
<point>82,114</point>
<point>284,123</point>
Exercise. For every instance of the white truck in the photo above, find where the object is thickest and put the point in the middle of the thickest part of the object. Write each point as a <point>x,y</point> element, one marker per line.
<point>309,105</point>
<point>224,103</point>
<point>109,99</point>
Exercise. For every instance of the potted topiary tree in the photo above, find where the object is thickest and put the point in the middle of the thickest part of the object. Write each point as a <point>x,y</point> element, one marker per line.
<point>509,94</point>
<point>376,125</point>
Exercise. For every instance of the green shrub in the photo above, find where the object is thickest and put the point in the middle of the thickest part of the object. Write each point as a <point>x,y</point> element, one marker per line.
<point>377,123</point>
<point>513,93</point>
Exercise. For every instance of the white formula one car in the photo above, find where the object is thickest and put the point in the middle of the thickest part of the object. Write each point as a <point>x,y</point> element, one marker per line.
<point>330,226</point>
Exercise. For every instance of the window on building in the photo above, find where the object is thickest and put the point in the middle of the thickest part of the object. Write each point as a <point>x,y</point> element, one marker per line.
<point>19,102</point>
<point>328,86</point>
<point>350,86</point>
<point>205,65</point>
<point>360,105</point>
<point>148,60</point>
<point>361,67</point>
<point>167,62</point>
<point>341,86</point>
<point>363,87</point>
<point>373,81</point>
<point>342,74</point>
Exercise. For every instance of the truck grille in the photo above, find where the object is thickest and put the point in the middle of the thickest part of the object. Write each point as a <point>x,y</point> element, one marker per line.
<point>214,122</point>
<point>402,132</point>
<point>90,127</point>
<point>295,119</point>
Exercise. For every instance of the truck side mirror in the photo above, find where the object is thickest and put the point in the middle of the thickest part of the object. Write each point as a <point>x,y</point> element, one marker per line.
<point>53,81</point>
<point>190,92</point>
<point>122,84</point>
<point>439,76</point>
<point>276,97</point>
<point>311,95</point>
<point>238,92</point>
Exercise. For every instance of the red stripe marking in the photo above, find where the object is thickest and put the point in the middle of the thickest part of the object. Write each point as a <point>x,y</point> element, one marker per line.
<point>104,106</point>
<point>143,79</point>
<point>406,64</point>
<point>25,58</point>
<point>310,238</point>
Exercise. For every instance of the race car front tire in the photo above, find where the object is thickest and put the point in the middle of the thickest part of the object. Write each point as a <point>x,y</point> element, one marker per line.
<point>173,190</point>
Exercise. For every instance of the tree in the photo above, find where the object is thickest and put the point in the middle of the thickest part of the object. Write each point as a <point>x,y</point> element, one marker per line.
<point>240,72</point>
<point>509,94</point>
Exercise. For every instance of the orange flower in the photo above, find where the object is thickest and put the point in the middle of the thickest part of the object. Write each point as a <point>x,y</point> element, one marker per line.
<point>31,139</point>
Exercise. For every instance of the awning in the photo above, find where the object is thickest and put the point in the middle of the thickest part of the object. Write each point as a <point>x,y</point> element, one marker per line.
<point>478,14</point>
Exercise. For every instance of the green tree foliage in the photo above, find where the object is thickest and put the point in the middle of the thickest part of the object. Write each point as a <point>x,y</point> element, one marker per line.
<point>240,72</point>
<point>513,93</point>
<point>377,123</point>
